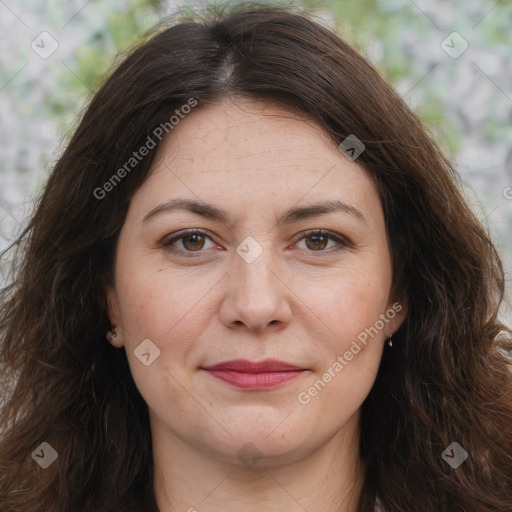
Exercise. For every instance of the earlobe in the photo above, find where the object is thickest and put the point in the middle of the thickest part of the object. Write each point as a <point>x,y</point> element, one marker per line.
<point>113,334</point>
<point>113,337</point>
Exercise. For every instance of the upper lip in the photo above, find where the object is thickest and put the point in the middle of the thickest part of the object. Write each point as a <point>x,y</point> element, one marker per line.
<point>245,366</point>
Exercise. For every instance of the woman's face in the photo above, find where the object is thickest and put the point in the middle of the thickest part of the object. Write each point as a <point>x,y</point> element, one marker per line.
<point>256,283</point>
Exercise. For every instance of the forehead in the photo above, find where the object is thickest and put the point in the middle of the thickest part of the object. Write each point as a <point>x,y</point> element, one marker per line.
<point>238,118</point>
<point>257,145</point>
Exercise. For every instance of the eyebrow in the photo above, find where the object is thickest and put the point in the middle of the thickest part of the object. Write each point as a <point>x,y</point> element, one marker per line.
<point>289,217</point>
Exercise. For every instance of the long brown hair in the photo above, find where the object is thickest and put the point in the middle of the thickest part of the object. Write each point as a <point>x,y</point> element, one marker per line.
<point>444,380</point>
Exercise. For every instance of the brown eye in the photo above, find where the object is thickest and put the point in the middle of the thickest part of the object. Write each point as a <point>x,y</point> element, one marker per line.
<point>317,242</point>
<point>188,242</point>
<point>193,242</point>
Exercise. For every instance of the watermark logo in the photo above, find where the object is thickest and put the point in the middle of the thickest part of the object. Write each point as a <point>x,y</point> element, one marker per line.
<point>249,455</point>
<point>454,455</point>
<point>147,352</point>
<point>454,45</point>
<point>249,250</point>
<point>45,455</point>
<point>44,45</point>
<point>352,147</point>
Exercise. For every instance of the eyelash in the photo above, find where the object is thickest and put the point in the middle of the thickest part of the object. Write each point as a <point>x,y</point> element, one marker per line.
<point>343,242</point>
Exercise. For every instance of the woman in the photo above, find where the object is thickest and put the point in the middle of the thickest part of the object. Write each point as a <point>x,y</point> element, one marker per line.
<point>300,308</point>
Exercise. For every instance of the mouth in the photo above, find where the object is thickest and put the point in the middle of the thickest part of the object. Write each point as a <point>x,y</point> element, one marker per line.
<point>244,374</point>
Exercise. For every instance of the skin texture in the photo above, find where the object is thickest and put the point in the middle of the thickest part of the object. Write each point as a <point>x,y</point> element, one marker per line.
<point>299,301</point>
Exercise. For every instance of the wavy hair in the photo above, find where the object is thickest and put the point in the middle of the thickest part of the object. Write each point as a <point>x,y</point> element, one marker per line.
<point>446,378</point>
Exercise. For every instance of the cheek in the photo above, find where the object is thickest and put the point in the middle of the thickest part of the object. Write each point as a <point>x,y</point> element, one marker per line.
<point>349,333</point>
<point>153,307</point>
<point>162,303</point>
<point>350,300</point>
<point>172,310</point>
<point>349,351</point>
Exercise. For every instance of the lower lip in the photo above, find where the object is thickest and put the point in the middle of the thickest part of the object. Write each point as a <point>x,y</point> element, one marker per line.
<point>266,380</point>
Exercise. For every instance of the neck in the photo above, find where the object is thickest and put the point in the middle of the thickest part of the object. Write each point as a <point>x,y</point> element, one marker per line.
<point>329,478</point>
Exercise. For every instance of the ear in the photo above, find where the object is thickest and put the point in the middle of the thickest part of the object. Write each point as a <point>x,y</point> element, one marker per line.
<point>112,305</point>
<point>397,312</point>
<point>114,315</point>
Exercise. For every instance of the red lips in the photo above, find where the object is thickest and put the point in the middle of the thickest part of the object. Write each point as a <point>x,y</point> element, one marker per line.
<point>242,365</point>
<point>266,374</point>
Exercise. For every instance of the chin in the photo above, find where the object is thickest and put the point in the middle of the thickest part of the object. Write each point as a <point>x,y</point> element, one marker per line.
<point>251,449</point>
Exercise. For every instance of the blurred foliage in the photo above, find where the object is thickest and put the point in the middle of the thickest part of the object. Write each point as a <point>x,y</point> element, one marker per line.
<point>398,28</point>
<point>370,24</point>
<point>112,35</point>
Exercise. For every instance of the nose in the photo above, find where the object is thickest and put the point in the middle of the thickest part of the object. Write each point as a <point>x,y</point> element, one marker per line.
<point>256,295</point>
